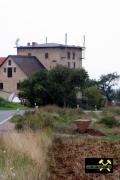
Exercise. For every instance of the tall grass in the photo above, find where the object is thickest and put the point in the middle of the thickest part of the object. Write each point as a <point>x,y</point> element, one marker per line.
<point>49,116</point>
<point>23,156</point>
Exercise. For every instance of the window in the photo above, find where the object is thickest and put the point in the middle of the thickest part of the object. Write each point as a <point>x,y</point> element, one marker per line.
<point>1,85</point>
<point>9,62</point>
<point>68,55</point>
<point>74,65</point>
<point>9,72</point>
<point>54,61</point>
<point>14,69</point>
<point>18,85</point>
<point>29,54</point>
<point>5,70</point>
<point>68,64</point>
<point>73,55</point>
<point>46,55</point>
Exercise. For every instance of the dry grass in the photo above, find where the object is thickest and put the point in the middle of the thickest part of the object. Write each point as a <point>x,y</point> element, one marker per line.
<point>24,155</point>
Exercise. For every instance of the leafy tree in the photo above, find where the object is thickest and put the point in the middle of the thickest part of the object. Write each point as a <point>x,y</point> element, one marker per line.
<point>91,82</point>
<point>27,91</point>
<point>66,80</point>
<point>35,88</point>
<point>106,84</point>
<point>79,77</point>
<point>117,95</point>
<point>94,96</point>
<point>56,86</point>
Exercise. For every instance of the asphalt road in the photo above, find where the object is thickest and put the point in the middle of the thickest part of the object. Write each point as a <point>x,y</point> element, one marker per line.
<point>7,114</point>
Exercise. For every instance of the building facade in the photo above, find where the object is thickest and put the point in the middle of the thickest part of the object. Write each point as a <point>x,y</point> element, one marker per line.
<point>15,69</point>
<point>52,54</point>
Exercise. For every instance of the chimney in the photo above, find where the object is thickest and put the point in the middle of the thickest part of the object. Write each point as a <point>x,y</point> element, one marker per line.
<point>46,40</point>
<point>66,39</point>
<point>28,44</point>
<point>34,43</point>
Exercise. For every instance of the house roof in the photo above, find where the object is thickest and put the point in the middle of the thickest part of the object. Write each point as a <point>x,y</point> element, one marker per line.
<point>28,64</point>
<point>49,45</point>
<point>2,59</point>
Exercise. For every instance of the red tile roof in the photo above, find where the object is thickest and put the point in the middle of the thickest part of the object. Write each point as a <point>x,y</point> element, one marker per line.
<point>2,59</point>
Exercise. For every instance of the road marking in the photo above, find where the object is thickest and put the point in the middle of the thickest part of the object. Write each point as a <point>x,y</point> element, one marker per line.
<point>6,120</point>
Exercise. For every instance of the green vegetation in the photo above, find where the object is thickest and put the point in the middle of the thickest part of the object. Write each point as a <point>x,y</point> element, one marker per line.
<point>53,117</point>
<point>29,148</point>
<point>57,86</point>
<point>106,84</point>
<point>110,121</point>
<point>94,97</point>
<point>6,105</point>
<point>93,114</point>
<point>60,86</point>
<point>112,137</point>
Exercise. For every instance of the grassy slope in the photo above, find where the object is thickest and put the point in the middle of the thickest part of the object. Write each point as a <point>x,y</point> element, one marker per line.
<point>112,133</point>
<point>6,105</point>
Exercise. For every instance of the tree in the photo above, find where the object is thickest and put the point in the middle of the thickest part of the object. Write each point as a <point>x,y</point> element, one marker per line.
<point>90,83</point>
<point>117,95</point>
<point>106,84</point>
<point>66,80</point>
<point>79,77</point>
<point>34,89</point>
<point>56,86</point>
<point>94,96</point>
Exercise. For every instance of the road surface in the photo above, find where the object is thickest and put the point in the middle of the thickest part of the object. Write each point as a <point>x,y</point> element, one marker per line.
<point>7,114</point>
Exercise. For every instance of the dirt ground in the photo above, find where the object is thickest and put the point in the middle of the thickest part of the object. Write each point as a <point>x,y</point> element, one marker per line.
<point>68,158</point>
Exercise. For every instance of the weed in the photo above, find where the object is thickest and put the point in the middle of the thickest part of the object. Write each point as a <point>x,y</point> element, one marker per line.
<point>109,121</point>
<point>49,116</point>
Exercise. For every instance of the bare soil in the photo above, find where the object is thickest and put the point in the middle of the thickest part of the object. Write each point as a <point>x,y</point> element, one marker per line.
<point>68,159</point>
<point>90,131</point>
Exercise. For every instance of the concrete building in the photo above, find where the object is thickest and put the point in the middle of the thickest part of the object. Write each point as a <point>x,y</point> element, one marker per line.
<point>14,69</point>
<point>33,57</point>
<point>51,54</point>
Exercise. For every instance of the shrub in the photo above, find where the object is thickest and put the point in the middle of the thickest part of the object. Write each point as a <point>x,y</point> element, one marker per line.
<point>109,121</point>
<point>52,117</point>
<point>115,111</point>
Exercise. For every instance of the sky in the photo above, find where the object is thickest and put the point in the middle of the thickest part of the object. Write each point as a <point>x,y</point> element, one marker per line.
<point>33,20</point>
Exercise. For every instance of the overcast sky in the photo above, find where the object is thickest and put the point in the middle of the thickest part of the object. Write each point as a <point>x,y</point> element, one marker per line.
<point>33,20</point>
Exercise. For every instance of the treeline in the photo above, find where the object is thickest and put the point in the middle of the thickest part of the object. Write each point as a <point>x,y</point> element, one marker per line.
<point>61,86</point>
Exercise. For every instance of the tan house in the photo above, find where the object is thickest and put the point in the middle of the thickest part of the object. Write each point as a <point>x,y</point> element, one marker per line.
<point>14,69</point>
<point>51,54</point>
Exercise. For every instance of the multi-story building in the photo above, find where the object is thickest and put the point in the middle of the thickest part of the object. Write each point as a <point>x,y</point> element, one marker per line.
<point>51,54</point>
<point>33,57</point>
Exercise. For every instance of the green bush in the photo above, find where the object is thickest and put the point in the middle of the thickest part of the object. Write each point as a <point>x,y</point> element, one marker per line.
<point>35,120</point>
<point>116,111</point>
<point>94,97</point>
<point>52,117</point>
<point>109,121</point>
